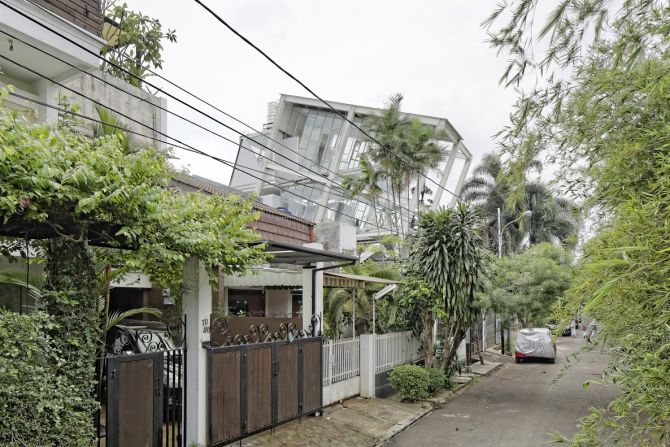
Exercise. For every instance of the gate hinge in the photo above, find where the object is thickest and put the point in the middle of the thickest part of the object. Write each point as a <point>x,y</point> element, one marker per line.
<point>275,368</point>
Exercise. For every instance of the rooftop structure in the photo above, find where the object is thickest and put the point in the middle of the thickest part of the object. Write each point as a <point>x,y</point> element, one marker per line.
<point>311,149</point>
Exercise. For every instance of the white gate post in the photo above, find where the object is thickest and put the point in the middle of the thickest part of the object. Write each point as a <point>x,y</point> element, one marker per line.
<point>368,364</point>
<point>197,302</point>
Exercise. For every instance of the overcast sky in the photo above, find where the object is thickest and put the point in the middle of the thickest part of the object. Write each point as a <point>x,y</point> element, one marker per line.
<point>433,52</point>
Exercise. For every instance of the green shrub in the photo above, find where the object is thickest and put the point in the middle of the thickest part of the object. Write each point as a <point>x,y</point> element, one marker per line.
<point>411,382</point>
<point>36,408</point>
<point>437,380</point>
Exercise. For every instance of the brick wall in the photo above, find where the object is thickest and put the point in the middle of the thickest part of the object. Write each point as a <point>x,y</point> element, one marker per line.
<point>85,14</point>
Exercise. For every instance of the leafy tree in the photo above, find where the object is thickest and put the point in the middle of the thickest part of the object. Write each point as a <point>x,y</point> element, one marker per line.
<point>420,305</point>
<point>78,188</point>
<point>136,44</point>
<point>602,116</point>
<point>448,252</point>
<point>525,286</point>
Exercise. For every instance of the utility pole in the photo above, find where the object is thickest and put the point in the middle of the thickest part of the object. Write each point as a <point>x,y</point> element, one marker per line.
<point>502,331</point>
<point>500,230</point>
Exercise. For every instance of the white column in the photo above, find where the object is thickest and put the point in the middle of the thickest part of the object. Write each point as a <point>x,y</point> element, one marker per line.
<point>368,364</point>
<point>306,298</point>
<point>307,310</point>
<point>318,310</point>
<point>461,180</point>
<point>47,93</point>
<point>197,302</point>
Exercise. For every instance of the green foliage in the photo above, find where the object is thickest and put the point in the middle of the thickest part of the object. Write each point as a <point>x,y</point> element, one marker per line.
<point>71,301</point>
<point>605,123</point>
<point>437,380</point>
<point>418,306</point>
<point>385,309</point>
<point>448,253</point>
<point>552,218</point>
<point>81,187</point>
<point>334,301</point>
<point>136,44</point>
<point>411,382</point>
<point>526,286</point>
<point>37,405</point>
<point>69,182</point>
<point>407,151</point>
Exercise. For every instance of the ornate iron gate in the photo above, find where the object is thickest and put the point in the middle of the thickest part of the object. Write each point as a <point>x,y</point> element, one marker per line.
<point>262,380</point>
<point>135,400</point>
<point>141,386</point>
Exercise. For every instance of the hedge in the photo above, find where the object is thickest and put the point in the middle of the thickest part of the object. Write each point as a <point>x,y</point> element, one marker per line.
<point>36,408</point>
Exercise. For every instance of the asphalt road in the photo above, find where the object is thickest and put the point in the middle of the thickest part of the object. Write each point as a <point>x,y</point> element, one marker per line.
<point>517,406</point>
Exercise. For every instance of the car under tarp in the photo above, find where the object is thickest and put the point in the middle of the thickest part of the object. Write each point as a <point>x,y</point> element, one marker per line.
<point>535,343</point>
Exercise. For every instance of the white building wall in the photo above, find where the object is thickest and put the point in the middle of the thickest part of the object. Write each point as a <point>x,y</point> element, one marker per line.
<point>123,98</point>
<point>278,303</point>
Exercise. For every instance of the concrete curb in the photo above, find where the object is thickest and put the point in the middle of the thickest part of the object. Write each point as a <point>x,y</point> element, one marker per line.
<point>435,404</point>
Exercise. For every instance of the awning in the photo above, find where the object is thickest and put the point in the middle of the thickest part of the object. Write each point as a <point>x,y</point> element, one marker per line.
<point>283,253</point>
<point>288,279</point>
<point>346,280</point>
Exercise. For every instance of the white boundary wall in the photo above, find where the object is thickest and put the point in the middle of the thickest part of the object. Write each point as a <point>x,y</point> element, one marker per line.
<point>351,364</point>
<point>395,349</point>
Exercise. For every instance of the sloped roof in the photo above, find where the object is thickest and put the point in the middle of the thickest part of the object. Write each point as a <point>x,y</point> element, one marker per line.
<point>273,225</point>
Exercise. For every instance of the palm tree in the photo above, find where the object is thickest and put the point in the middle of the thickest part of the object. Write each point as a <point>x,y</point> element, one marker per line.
<point>551,219</point>
<point>389,130</point>
<point>338,301</point>
<point>404,150</point>
<point>366,184</point>
<point>334,302</point>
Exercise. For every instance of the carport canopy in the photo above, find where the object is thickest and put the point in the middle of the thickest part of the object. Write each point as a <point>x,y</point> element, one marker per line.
<point>283,253</point>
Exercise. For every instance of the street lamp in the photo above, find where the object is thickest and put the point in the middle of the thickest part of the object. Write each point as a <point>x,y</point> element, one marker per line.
<point>527,213</point>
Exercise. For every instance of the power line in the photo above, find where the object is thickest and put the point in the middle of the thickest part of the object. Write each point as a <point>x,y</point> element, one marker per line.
<point>187,148</point>
<point>403,219</point>
<point>303,85</point>
<point>189,106</point>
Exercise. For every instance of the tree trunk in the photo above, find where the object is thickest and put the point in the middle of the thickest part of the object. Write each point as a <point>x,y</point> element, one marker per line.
<point>72,301</point>
<point>453,336</point>
<point>427,338</point>
<point>479,352</point>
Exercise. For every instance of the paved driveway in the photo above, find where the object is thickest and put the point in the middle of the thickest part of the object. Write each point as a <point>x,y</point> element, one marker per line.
<point>517,406</point>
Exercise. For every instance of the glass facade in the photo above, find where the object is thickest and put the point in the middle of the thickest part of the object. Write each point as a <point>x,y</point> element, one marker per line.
<point>318,132</point>
<point>323,148</point>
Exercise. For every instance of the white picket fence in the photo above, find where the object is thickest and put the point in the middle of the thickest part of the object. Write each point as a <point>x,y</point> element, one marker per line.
<point>395,349</point>
<point>341,360</point>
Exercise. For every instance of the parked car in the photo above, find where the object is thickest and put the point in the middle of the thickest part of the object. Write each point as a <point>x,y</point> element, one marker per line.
<point>534,343</point>
<point>138,337</point>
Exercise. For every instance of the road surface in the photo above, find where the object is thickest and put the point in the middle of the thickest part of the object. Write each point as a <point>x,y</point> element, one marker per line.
<point>517,406</point>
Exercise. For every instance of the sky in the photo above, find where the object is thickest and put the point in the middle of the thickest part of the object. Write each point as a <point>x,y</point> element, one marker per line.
<point>434,52</point>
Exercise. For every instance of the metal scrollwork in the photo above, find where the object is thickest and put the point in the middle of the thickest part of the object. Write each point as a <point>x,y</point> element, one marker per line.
<point>288,331</point>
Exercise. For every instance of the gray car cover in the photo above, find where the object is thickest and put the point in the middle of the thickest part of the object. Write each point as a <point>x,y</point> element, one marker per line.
<point>535,343</point>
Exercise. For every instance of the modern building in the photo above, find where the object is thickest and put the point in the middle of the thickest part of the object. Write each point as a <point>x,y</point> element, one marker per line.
<point>305,150</point>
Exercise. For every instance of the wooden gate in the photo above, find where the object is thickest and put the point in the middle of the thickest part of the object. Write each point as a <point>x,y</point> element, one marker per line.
<point>135,400</point>
<point>256,386</point>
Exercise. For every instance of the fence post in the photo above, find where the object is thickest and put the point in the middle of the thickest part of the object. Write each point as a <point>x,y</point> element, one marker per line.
<point>368,364</point>
<point>197,302</point>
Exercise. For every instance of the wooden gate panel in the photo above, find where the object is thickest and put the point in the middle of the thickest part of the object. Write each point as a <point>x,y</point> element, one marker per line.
<point>135,400</point>
<point>258,376</point>
<point>312,381</point>
<point>225,402</point>
<point>287,381</point>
